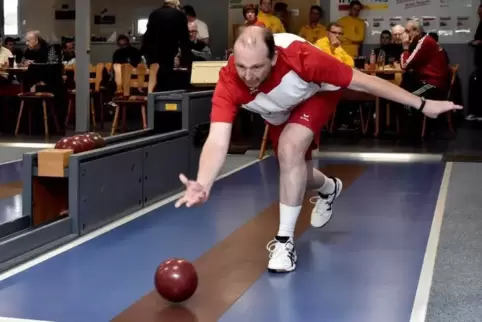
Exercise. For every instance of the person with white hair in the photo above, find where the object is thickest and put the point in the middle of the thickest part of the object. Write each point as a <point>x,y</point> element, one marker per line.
<point>426,61</point>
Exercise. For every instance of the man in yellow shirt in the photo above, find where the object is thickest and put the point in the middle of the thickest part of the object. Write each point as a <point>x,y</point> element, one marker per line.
<point>268,19</point>
<point>354,29</point>
<point>314,30</point>
<point>331,44</point>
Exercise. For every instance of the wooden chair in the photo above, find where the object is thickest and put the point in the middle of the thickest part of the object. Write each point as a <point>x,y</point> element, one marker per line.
<point>350,95</point>
<point>130,78</point>
<point>453,74</point>
<point>47,101</point>
<point>94,80</point>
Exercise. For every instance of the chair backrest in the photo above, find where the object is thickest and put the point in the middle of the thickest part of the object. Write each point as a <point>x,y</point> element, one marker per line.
<point>95,79</point>
<point>140,73</point>
<point>453,75</point>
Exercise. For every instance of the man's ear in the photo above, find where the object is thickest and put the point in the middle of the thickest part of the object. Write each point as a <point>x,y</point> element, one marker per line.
<point>275,58</point>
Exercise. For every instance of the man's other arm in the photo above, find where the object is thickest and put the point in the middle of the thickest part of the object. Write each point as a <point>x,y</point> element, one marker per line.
<point>319,67</point>
<point>215,149</point>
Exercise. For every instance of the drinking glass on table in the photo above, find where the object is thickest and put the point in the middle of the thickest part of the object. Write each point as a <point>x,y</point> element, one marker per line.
<point>11,61</point>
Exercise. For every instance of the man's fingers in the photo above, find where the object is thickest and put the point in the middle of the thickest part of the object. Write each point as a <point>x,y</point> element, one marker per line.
<point>181,201</point>
<point>457,107</point>
<point>184,179</point>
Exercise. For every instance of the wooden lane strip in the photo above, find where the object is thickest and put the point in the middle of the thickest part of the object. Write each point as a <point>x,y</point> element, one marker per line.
<point>228,269</point>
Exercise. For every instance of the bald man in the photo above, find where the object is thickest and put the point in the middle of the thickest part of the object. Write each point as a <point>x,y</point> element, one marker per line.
<point>295,87</point>
<point>397,33</point>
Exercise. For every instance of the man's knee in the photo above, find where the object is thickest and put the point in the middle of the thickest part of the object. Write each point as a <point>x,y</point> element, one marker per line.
<point>292,147</point>
<point>290,153</point>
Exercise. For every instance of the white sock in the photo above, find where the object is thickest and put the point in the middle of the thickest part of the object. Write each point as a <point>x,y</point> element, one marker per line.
<point>328,187</point>
<point>287,220</point>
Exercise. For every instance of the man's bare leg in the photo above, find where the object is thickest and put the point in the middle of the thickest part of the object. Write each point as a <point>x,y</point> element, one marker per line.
<point>292,146</point>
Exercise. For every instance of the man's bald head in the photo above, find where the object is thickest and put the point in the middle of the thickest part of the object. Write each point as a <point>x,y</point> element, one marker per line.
<point>256,38</point>
<point>397,32</point>
<point>254,55</point>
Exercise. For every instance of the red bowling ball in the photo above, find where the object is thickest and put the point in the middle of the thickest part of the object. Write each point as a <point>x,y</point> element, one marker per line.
<point>98,140</point>
<point>176,280</point>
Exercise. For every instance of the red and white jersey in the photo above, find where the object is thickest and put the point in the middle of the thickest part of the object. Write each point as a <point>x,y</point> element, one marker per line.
<point>301,71</point>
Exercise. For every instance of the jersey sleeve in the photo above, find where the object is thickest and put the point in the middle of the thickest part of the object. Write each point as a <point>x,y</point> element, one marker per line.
<point>421,55</point>
<point>224,106</point>
<point>314,65</point>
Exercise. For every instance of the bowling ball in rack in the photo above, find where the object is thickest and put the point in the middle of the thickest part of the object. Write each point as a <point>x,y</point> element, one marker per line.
<point>69,143</point>
<point>62,143</point>
<point>98,140</point>
<point>85,143</point>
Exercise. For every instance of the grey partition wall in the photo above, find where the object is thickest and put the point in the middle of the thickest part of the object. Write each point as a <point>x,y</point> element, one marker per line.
<point>98,187</point>
<point>110,184</point>
<point>195,110</point>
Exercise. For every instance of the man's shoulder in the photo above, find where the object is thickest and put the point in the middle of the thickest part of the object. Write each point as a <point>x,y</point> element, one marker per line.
<point>228,75</point>
<point>285,39</point>
<point>200,22</point>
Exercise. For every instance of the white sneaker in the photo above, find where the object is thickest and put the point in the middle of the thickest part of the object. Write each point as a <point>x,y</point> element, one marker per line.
<point>322,211</point>
<point>282,256</point>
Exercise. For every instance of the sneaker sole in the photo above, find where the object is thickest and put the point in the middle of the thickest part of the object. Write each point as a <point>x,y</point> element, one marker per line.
<point>279,271</point>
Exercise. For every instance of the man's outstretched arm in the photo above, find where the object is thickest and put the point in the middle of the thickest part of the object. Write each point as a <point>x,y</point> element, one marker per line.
<point>214,153</point>
<point>381,88</point>
<point>316,66</point>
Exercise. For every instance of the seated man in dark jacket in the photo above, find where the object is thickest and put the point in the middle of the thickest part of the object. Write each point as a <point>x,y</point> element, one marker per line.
<point>126,54</point>
<point>200,51</point>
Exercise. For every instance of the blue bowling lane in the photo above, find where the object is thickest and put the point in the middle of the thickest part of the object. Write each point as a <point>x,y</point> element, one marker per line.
<point>364,265</point>
<point>100,278</point>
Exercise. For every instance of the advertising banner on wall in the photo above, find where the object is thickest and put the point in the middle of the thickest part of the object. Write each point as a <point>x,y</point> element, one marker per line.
<point>344,5</point>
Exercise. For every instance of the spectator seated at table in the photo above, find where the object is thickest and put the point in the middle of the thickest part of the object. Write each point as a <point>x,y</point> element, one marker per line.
<point>331,44</point>
<point>425,62</point>
<point>391,50</point>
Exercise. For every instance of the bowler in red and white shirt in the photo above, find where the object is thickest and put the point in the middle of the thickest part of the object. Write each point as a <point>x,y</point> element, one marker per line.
<point>295,87</point>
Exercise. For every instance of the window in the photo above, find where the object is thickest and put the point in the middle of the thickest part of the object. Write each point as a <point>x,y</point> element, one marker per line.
<point>10,15</point>
<point>141,26</point>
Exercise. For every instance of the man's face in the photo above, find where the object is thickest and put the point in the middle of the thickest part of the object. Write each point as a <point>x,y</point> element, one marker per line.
<point>355,10</point>
<point>315,16</point>
<point>334,35</point>
<point>266,6</point>
<point>397,33</point>
<point>413,33</point>
<point>123,43</point>
<point>192,32</point>
<point>252,64</point>
<point>10,45</point>
<point>69,47</point>
<point>250,15</point>
<point>385,39</point>
<point>31,40</point>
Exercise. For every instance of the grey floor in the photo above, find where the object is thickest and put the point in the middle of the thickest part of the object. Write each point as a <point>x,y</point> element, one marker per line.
<point>234,161</point>
<point>456,294</point>
<point>9,154</point>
